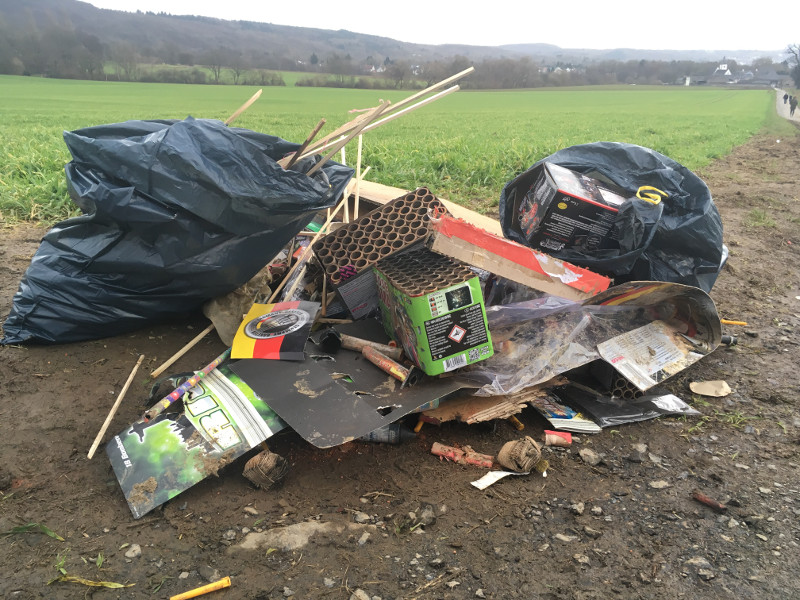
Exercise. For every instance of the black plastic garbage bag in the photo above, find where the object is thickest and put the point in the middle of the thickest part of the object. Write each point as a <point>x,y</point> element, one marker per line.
<point>178,212</point>
<point>678,240</point>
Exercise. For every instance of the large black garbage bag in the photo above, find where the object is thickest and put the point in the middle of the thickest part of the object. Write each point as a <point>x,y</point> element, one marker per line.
<point>178,212</point>
<point>678,240</point>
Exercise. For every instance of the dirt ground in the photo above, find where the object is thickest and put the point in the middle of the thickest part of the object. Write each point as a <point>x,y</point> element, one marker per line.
<point>626,528</point>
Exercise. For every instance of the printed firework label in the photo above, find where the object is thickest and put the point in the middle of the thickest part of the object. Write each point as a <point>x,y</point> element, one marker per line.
<point>456,332</point>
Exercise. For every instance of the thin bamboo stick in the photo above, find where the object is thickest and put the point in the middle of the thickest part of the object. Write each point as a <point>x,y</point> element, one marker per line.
<point>358,177</point>
<point>433,88</point>
<point>390,117</point>
<point>348,126</point>
<point>373,114</point>
<point>242,108</point>
<point>114,408</point>
<point>324,311</point>
<point>346,192</point>
<point>304,145</point>
<point>182,351</point>
<point>326,142</point>
<point>408,109</point>
<point>335,134</point>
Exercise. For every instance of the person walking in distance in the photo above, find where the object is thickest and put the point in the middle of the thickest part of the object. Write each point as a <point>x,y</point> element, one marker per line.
<point>785,98</point>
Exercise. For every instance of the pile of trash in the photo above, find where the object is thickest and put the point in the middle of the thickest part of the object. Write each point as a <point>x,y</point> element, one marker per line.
<point>590,291</point>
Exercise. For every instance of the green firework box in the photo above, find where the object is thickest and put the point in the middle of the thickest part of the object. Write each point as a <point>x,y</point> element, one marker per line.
<point>433,306</point>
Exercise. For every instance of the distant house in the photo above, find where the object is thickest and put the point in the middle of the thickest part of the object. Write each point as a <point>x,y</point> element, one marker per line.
<point>769,78</point>
<point>722,74</point>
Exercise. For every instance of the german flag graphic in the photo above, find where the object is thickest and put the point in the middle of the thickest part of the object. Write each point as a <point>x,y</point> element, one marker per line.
<point>275,331</point>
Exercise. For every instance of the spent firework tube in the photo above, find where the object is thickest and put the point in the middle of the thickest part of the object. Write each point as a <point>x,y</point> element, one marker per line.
<point>466,456</point>
<point>385,363</point>
<point>557,438</point>
<point>393,368</point>
<point>353,343</point>
<point>179,391</point>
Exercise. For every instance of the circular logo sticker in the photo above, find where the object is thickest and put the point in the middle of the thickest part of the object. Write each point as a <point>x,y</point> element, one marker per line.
<point>562,205</point>
<point>276,324</point>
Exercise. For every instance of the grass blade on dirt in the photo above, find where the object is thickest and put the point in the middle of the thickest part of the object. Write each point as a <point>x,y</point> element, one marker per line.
<point>34,528</point>
<point>89,582</point>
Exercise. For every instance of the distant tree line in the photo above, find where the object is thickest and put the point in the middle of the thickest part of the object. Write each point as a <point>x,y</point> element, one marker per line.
<point>69,53</point>
<point>794,63</point>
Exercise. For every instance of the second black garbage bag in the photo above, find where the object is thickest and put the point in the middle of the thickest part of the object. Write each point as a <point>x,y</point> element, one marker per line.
<point>677,240</point>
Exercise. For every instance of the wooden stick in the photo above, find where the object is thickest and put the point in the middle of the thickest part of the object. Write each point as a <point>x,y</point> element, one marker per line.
<point>336,133</point>
<point>114,408</point>
<point>242,108</point>
<point>347,126</point>
<point>390,117</point>
<point>344,129</point>
<point>182,351</point>
<point>433,88</point>
<point>408,109</point>
<point>373,114</point>
<point>358,177</point>
<point>708,501</point>
<point>305,144</point>
<point>307,250</point>
<point>324,310</point>
<point>179,391</point>
<point>346,218</point>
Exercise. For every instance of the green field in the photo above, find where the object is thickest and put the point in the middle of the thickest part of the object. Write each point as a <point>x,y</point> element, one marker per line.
<point>464,147</point>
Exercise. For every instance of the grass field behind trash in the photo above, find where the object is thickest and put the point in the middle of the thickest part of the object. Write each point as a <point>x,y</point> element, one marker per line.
<point>464,147</point>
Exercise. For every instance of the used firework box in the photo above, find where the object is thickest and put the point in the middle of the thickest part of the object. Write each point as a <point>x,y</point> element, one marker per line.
<point>566,210</point>
<point>348,254</point>
<point>433,306</point>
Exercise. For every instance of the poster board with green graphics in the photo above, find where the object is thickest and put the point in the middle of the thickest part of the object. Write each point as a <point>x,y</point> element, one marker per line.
<point>219,420</point>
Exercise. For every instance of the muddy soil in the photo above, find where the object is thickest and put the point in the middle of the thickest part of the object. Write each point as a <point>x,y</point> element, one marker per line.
<point>626,528</point>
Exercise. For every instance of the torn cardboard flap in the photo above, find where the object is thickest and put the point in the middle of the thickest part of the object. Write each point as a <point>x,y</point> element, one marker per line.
<point>477,409</point>
<point>333,399</point>
<point>474,246</point>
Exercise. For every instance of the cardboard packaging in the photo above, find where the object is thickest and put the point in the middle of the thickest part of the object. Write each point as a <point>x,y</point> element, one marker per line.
<point>433,306</point>
<point>347,254</point>
<point>474,246</point>
<point>566,210</point>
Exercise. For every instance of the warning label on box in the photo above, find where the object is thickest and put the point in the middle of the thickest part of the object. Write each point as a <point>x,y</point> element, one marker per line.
<point>456,332</point>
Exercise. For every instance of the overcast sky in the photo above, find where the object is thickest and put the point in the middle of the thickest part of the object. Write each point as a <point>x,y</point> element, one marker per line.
<point>600,24</point>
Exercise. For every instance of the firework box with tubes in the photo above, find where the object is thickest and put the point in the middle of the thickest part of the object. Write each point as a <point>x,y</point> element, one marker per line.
<point>348,254</point>
<point>434,307</point>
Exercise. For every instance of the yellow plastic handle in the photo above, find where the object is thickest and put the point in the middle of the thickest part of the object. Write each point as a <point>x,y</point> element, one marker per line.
<point>651,194</point>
